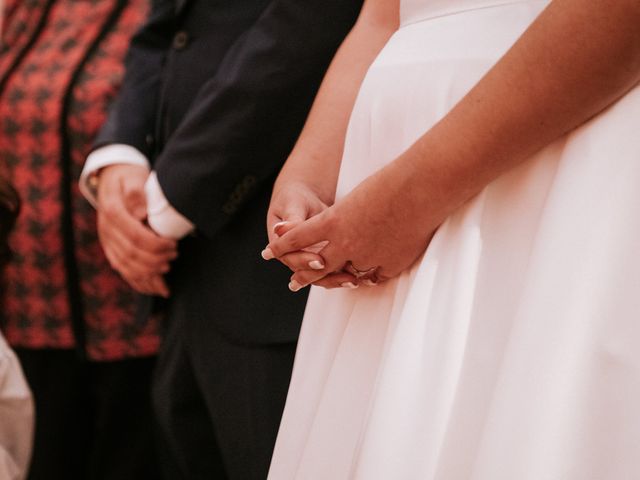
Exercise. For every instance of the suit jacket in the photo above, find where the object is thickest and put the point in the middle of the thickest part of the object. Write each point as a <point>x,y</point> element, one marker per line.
<point>215,94</point>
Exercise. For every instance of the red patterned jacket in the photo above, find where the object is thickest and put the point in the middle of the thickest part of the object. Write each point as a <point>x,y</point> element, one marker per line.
<point>60,66</point>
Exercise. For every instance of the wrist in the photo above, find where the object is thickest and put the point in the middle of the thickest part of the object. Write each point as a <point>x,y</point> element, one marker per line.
<point>316,170</point>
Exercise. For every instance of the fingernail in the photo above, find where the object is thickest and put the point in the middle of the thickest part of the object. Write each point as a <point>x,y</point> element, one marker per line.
<point>277,226</point>
<point>349,285</point>
<point>267,254</point>
<point>294,286</point>
<point>316,265</point>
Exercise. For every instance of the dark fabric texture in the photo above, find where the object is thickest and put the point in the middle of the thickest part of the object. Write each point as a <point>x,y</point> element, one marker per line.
<point>61,65</point>
<point>216,94</point>
<point>219,406</point>
<point>93,419</point>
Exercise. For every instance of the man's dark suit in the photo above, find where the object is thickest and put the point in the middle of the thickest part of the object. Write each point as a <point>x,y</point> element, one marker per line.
<point>215,94</point>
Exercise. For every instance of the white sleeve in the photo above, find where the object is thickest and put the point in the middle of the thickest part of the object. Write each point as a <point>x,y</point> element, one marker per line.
<point>165,220</point>
<point>114,154</point>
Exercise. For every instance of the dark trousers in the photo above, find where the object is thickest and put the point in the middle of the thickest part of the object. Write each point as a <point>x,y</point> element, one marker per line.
<point>219,406</point>
<point>93,419</point>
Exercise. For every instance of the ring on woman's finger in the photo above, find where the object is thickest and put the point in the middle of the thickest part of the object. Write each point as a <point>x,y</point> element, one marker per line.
<point>368,273</point>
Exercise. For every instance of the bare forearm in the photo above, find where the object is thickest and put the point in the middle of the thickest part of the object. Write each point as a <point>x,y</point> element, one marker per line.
<point>316,157</point>
<point>577,58</point>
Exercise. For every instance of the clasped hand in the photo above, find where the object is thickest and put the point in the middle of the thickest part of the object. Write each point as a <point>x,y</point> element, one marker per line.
<point>373,227</point>
<point>132,248</point>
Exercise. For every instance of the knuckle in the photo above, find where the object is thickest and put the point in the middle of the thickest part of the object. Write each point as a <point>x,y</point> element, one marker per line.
<point>294,243</point>
<point>137,238</point>
<point>330,219</point>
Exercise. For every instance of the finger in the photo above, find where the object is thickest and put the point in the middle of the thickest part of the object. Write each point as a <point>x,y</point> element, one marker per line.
<point>304,235</point>
<point>338,280</point>
<point>147,263</point>
<point>303,261</point>
<point>295,211</point>
<point>302,278</point>
<point>147,286</point>
<point>276,219</point>
<point>135,277</point>
<point>140,237</point>
<point>334,257</point>
<point>278,227</point>
<point>137,234</point>
<point>272,219</point>
<point>139,286</point>
<point>158,286</point>
<point>134,282</point>
<point>112,257</point>
<point>150,263</point>
<point>284,226</point>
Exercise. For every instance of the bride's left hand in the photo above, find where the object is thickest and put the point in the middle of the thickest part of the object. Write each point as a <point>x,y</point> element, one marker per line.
<point>380,224</point>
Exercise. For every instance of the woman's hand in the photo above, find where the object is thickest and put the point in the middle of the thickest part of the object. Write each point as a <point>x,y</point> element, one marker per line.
<point>291,204</point>
<point>378,225</point>
<point>388,220</point>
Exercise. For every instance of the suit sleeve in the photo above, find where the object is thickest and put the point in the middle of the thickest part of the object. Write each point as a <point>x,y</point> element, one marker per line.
<point>246,118</point>
<point>132,116</point>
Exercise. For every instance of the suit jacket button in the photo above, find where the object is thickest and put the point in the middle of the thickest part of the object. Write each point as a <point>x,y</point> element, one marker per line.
<point>180,40</point>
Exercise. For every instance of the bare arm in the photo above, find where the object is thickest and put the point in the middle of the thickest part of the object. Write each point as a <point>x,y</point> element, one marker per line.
<point>577,58</point>
<point>307,182</point>
<point>316,156</point>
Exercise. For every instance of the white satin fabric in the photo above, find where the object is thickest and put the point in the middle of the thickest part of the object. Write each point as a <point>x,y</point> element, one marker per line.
<point>511,350</point>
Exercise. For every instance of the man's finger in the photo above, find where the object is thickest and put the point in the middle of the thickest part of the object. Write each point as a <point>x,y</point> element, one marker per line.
<point>138,258</point>
<point>136,233</point>
<point>159,286</point>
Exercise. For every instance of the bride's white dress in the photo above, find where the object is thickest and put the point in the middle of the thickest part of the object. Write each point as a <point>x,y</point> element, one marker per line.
<point>511,350</point>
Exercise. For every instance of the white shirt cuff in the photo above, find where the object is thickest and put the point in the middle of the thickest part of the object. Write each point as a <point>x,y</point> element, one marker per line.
<point>165,220</point>
<point>114,154</point>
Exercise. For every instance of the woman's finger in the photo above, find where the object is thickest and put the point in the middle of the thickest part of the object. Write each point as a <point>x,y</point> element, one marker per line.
<point>338,280</point>
<point>303,261</point>
<point>306,234</point>
<point>303,278</point>
<point>282,227</point>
